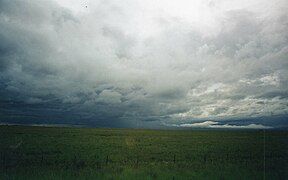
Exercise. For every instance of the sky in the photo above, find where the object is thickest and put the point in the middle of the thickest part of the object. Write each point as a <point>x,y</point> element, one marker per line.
<point>145,64</point>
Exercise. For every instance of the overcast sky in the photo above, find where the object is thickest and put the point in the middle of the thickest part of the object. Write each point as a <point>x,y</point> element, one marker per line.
<point>135,63</point>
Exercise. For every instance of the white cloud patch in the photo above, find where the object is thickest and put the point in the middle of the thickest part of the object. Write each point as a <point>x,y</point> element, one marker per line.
<point>214,124</point>
<point>200,125</point>
<point>108,96</point>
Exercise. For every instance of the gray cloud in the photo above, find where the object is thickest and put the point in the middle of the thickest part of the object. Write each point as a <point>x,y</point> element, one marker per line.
<point>129,63</point>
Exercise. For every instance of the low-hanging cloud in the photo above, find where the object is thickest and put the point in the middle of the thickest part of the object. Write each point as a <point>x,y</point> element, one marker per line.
<point>124,63</point>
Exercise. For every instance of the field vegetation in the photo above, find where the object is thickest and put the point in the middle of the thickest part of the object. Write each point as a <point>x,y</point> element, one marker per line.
<point>92,153</point>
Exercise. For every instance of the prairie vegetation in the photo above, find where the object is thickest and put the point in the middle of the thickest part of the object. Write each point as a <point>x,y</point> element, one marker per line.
<point>87,153</point>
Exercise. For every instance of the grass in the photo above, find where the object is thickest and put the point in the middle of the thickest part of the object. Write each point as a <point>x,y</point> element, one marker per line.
<point>84,153</point>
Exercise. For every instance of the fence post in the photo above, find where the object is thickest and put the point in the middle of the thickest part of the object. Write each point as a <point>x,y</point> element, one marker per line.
<point>5,161</point>
<point>42,158</point>
<point>174,158</point>
<point>2,160</point>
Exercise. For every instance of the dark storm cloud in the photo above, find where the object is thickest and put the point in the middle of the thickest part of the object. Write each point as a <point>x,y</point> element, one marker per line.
<point>131,64</point>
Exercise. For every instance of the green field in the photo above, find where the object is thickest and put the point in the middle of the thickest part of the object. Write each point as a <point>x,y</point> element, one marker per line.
<point>84,153</point>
